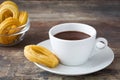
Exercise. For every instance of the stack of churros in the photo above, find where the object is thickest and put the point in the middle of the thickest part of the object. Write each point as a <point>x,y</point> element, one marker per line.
<point>11,18</point>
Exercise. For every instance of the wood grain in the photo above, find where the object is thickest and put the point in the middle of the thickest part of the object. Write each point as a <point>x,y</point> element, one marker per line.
<point>103,15</point>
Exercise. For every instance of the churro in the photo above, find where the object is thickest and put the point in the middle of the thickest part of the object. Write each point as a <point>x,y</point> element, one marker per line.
<point>41,55</point>
<point>23,17</point>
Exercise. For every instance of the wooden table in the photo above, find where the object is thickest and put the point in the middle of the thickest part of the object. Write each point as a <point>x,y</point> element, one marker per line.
<point>103,15</point>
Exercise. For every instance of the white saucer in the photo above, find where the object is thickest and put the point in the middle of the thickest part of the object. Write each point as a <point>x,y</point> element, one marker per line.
<point>97,62</point>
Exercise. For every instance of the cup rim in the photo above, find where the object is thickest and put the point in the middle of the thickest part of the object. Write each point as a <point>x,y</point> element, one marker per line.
<point>50,34</point>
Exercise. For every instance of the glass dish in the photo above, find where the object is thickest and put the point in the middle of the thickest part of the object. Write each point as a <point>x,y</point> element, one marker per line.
<point>15,35</point>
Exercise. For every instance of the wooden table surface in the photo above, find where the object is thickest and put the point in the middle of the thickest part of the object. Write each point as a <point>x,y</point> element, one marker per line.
<point>103,15</point>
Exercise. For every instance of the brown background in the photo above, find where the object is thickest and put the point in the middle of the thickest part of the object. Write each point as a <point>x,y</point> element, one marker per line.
<point>103,15</point>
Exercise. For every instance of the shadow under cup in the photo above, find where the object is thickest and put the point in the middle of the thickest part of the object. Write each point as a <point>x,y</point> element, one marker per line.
<point>73,52</point>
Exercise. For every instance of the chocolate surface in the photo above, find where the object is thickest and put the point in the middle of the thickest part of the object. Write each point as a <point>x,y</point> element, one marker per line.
<point>72,35</point>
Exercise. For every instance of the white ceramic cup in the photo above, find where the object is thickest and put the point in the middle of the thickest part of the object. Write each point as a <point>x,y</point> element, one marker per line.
<point>75,52</point>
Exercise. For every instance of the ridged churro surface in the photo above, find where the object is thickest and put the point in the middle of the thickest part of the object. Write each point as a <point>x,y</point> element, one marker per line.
<point>41,55</point>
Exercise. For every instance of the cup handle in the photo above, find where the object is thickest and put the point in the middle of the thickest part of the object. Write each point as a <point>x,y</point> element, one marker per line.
<point>101,43</point>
